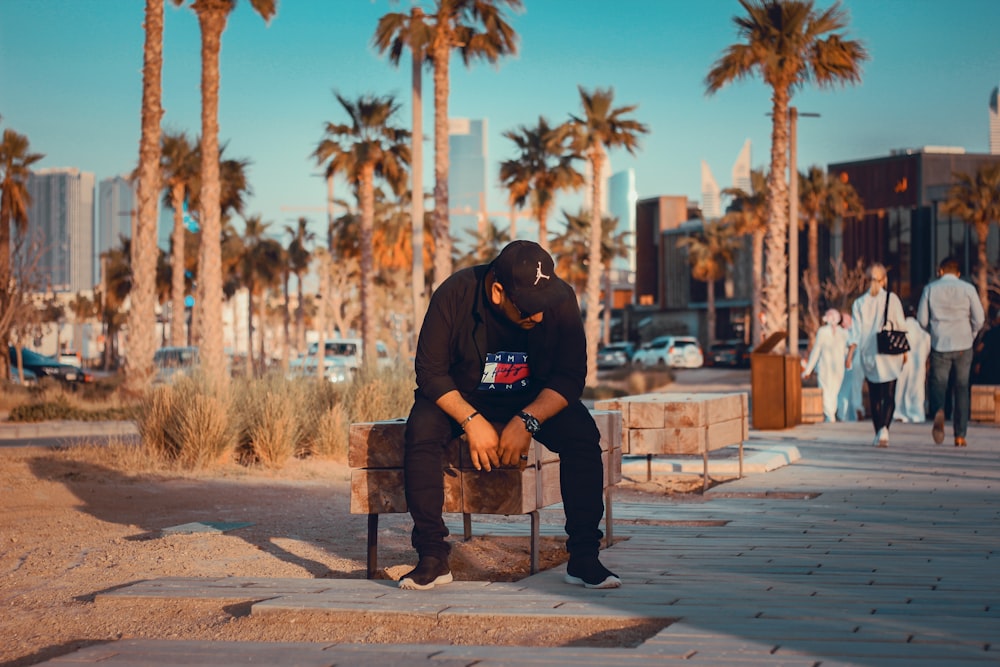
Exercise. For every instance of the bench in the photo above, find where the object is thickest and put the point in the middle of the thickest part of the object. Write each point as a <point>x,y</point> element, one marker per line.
<point>656,424</point>
<point>985,403</point>
<point>375,454</point>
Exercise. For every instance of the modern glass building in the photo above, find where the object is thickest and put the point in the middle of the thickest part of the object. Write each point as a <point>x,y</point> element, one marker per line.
<point>467,151</point>
<point>711,202</point>
<point>116,199</point>
<point>622,197</point>
<point>62,215</point>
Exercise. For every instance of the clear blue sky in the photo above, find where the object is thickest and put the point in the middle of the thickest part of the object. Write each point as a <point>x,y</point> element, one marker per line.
<point>70,79</point>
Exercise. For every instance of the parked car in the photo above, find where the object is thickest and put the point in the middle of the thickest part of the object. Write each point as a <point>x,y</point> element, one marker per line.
<point>71,358</point>
<point>673,351</point>
<point>173,362</point>
<point>335,369</point>
<point>48,367</point>
<point>615,355</point>
<point>732,353</point>
<point>349,351</point>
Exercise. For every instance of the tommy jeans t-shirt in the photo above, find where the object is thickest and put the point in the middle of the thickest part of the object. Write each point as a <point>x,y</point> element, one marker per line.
<point>506,372</point>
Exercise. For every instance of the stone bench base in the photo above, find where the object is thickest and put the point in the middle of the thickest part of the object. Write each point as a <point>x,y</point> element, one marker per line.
<point>655,424</point>
<point>985,403</point>
<point>375,452</point>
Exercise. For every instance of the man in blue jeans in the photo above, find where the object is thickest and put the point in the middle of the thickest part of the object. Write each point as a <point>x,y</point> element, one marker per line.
<point>502,356</point>
<point>951,312</point>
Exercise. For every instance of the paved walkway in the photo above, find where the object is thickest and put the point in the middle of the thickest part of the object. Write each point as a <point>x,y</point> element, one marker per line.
<point>850,555</point>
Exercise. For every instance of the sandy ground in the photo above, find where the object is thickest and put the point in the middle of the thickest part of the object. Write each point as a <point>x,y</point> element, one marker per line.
<point>73,527</point>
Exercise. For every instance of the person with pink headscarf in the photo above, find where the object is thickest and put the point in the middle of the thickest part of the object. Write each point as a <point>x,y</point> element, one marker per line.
<point>827,358</point>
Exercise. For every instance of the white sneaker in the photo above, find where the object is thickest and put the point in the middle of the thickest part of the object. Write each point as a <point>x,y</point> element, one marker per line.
<point>882,440</point>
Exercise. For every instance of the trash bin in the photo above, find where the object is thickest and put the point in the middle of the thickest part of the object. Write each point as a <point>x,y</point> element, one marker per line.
<point>775,386</point>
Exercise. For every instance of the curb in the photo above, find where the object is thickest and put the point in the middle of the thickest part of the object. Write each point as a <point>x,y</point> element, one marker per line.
<point>756,459</point>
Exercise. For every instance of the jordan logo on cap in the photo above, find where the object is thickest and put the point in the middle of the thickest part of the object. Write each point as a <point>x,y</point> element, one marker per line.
<point>539,275</point>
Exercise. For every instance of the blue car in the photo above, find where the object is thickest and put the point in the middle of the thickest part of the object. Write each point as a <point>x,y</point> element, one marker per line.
<point>47,367</point>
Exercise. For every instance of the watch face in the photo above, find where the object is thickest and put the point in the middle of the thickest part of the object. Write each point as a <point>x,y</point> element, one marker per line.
<point>530,423</point>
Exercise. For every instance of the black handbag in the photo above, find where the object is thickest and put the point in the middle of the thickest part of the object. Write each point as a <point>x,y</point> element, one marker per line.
<point>891,340</point>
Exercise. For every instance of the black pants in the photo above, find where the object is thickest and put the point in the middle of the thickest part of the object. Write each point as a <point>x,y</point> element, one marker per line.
<point>882,396</point>
<point>571,433</point>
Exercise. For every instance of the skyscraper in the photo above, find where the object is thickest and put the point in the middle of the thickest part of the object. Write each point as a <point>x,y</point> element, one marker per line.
<point>622,197</point>
<point>62,213</point>
<point>741,169</point>
<point>994,123</point>
<point>466,179</point>
<point>116,204</point>
<point>711,207</point>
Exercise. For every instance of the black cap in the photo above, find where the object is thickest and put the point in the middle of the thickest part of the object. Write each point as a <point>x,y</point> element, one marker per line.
<point>528,276</point>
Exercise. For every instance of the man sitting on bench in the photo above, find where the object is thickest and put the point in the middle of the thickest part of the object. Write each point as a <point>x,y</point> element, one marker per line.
<point>503,343</point>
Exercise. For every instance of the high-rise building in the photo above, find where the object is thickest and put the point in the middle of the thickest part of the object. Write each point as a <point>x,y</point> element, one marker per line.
<point>62,213</point>
<point>741,170</point>
<point>467,179</point>
<point>622,197</point>
<point>711,205</point>
<point>994,123</point>
<point>116,199</point>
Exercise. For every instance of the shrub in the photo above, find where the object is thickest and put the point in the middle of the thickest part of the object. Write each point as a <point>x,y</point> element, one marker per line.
<point>186,424</point>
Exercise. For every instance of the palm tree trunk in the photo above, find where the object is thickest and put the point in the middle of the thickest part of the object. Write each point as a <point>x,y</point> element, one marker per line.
<point>592,321</point>
<point>776,269</point>
<point>286,323</point>
<point>212,21</point>
<point>417,189</point>
<point>142,314</point>
<point>177,334</point>
<point>324,294</point>
<point>300,315</point>
<point>441,227</point>
<point>367,193</point>
<point>812,280</point>
<point>250,359</point>
<point>756,327</point>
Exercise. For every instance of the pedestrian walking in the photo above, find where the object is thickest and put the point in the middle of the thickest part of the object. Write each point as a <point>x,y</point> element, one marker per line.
<point>503,343</point>
<point>951,312</point>
<point>850,400</point>
<point>827,358</point>
<point>869,315</point>
<point>911,388</point>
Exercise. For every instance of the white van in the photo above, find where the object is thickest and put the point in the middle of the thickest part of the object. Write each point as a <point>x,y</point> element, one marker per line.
<point>349,351</point>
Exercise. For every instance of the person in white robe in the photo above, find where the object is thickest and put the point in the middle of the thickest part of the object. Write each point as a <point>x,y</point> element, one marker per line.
<point>911,388</point>
<point>850,401</point>
<point>827,359</point>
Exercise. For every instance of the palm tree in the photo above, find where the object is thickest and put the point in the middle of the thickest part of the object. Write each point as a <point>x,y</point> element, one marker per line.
<point>299,256</point>
<point>710,251</point>
<point>395,32</point>
<point>823,198</point>
<point>788,43</point>
<point>975,198</point>
<point>600,127</point>
<point>479,30</point>
<point>749,217</point>
<point>15,167</point>
<point>378,149</point>
<point>179,164</point>
<point>260,267</point>
<point>543,167</point>
<point>212,18</point>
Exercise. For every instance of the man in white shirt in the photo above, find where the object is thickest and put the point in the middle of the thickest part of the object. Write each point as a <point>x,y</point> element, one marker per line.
<point>952,313</point>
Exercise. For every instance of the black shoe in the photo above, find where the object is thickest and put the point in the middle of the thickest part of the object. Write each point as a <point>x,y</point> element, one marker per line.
<point>428,573</point>
<point>937,431</point>
<point>589,572</point>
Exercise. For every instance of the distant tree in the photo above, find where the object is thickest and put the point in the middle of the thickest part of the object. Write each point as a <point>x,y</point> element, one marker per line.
<point>543,167</point>
<point>788,43</point>
<point>179,166</point>
<point>212,18</point>
<point>299,255</point>
<point>379,149</point>
<point>142,304</point>
<point>975,198</point>
<point>598,128</point>
<point>710,252</point>
<point>16,159</point>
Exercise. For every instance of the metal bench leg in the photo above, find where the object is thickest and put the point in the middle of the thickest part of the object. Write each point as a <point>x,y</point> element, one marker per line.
<point>535,522</point>
<point>704,458</point>
<point>372,545</point>
<point>741,460</point>
<point>467,526</point>
<point>649,467</point>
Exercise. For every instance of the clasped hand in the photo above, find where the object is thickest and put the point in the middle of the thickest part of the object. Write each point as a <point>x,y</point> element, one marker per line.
<point>489,449</point>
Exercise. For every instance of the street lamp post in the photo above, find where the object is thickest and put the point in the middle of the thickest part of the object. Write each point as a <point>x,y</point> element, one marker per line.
<point>793,229</point>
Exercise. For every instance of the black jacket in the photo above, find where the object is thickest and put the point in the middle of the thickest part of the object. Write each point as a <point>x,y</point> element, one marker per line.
<point>452,345</point>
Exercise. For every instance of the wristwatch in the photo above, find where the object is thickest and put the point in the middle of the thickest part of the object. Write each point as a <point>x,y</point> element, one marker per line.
<point>531,425</point>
